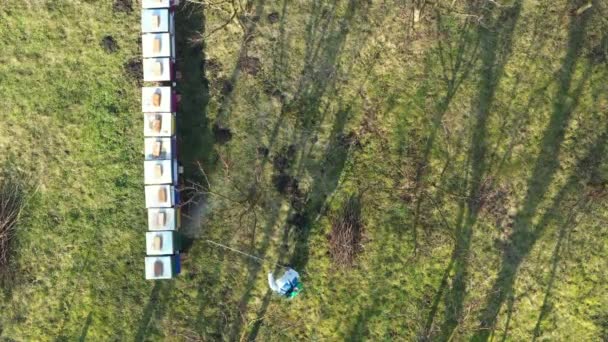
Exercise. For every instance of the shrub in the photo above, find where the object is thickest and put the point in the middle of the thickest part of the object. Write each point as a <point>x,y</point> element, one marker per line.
<point>11,203</point>
<point>346,233</point>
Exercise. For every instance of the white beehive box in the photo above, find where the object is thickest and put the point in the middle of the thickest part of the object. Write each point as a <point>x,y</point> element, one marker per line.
<point>159,124</point>
<point>157,45</point>
<point>158,69</point>
<point>156,21</point>
<point>161,196</point>
<point>158,3</point>
<point>156,99</point>
<point>161,243</point>
<point>159,148</point>
<point>163,219</point>
<point>160,172</point>
<point>162,267</point>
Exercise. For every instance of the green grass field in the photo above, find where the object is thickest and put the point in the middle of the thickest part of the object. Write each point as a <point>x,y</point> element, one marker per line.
<point>474,137</point>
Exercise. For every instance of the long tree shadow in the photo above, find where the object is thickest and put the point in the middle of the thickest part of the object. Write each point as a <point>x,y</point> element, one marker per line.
<point>547,164</point>
<point>456,64</point>
<point>250,24</point>
<point>194,133</point>
<point>254,270</point>
<point>193,125</point>
<point>159,298</point>
<point>495,46</point>
<point>85,328</point>
<point>379,302</point>
<point>586,169</point>
<point>323,54</point>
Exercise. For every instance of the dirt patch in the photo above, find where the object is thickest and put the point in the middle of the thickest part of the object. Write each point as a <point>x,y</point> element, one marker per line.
<point>109,44</point>
<point>263,151</point>
<point>213,66</point>
<point>125,6</point>
<point>599,53</point>
<point>250,65</point>
<point>347,140</point>
<point>134,69</point>
<point>286,184</point>
<point>271,90</point>
<point>282,160</point>
<point>273,17</point>
<point>493,200</point>
<point>298,220</point>
<point>222,135</point>
<point>227,86</point>
<point>246,17</point>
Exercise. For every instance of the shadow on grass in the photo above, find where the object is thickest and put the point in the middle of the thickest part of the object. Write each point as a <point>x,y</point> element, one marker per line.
<point>254,270</point>
<point>547,164</point>
<point>495,46</point>
<point>250,24</point>
<point>325,40</point>
<point>85,328</point>
<point>456,64</point>
<point>193,126</point>
<point>155,308</point>
<point>194,133</point>
<point>380,300</point>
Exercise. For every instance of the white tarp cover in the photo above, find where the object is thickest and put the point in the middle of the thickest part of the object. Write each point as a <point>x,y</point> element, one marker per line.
<point>158,148</point>
<point>163,219</point>
<point>160,243</point>
<point>155,20</point>
<point>159,124</point>
<point>161,264</point>
<point>159,172</point>
<point>154,193</point>
<point>157,69</point>
<point>157,45</point>
<point>157,3</point>
<point>156,99</point>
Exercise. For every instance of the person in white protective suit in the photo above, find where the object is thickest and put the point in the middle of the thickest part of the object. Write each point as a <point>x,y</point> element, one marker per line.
<point>288,285</point>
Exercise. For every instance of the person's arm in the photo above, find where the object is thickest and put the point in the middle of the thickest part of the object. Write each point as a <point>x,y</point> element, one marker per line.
<point>272,283</point>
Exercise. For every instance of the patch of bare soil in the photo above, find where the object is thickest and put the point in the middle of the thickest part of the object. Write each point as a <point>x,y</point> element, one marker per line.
<point>250,65</point>
<point>125,6</point>
<point>227,87</point>
<point>109,44</point>
<point>222,135</point>
<point>134,69</point>
<point>213,66</point>
<point>273,17</point>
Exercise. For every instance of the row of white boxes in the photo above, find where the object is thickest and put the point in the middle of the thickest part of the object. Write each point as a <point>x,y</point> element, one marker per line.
<point>161,168</point>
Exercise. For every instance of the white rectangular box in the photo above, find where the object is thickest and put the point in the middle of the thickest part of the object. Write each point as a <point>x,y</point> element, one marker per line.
<point>164,219</point>
<point>160,172</point>
<point>160,196</point>
<point>162,267</point>
<point>156,21</point>
<point>157,99</point>
<point>159,148</point>
<point>159,124</point>
<point>159,3</point>
<point>158,69</point>
<point>160,243</point>
<point>157,45</point>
